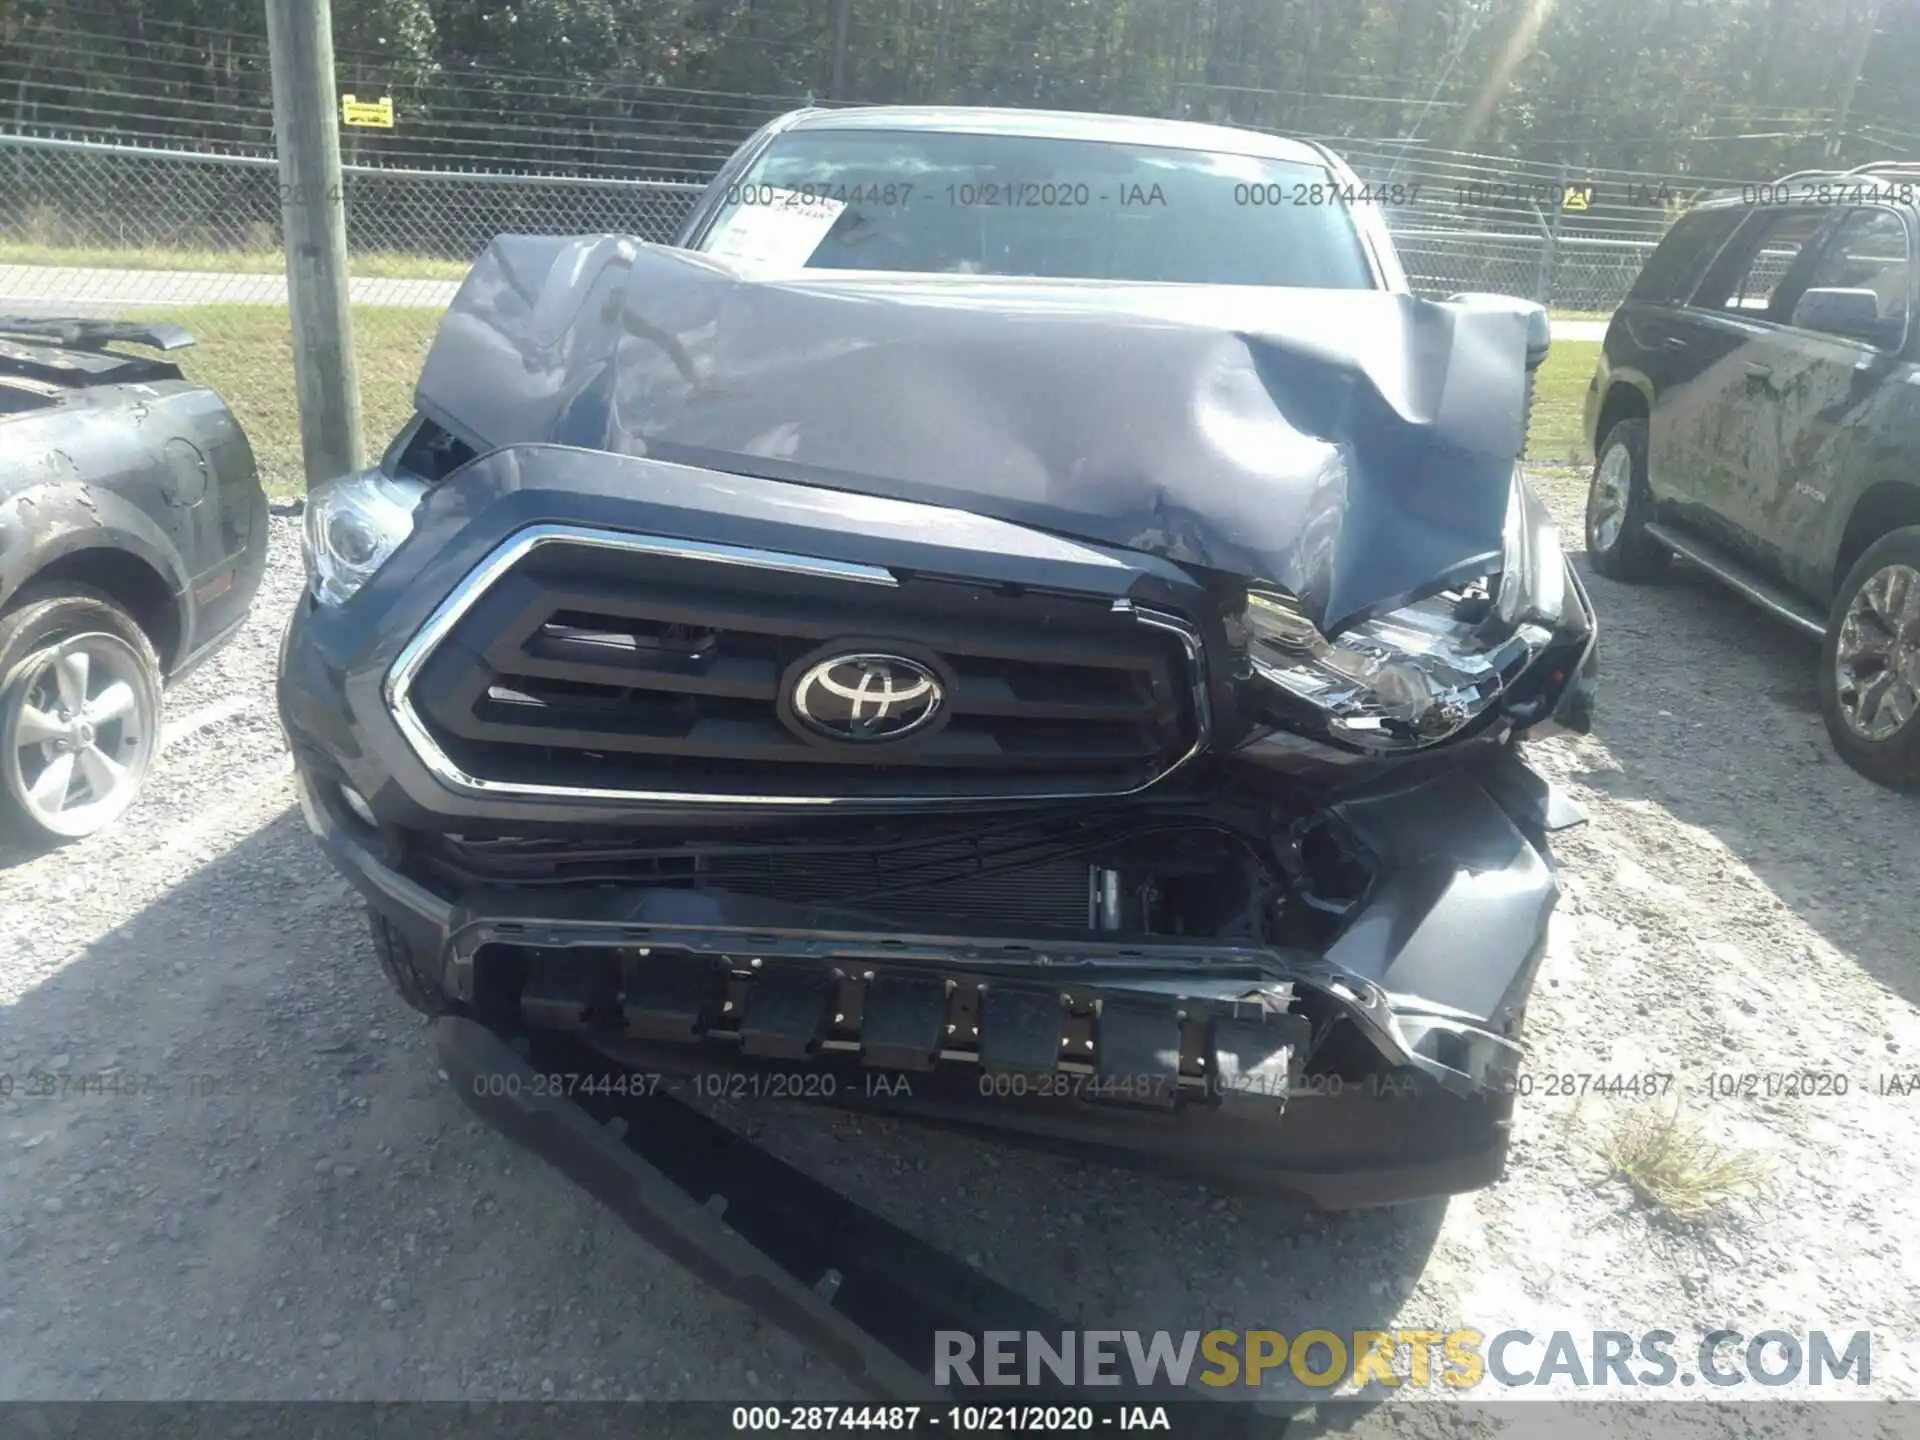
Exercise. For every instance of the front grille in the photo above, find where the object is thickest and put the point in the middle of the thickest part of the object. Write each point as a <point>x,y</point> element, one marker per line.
<point>664,671</point>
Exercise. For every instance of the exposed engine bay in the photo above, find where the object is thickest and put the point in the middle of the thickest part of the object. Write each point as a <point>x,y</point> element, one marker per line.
<point>1119,872</point>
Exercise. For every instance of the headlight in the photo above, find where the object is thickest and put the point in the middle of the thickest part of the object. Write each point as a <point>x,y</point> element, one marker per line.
<point>353,525</point>
<point>1533,572</point>
<point>1420,674</point>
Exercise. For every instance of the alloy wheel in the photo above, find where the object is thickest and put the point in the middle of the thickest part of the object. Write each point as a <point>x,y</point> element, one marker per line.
<point>77,734</point>
<point>1877,654</point>
<point>1607,503</point>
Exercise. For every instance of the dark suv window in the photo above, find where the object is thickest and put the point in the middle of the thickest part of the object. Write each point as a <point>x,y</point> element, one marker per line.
<point>961,203</point>
<point>1755,275</point>
<point>1675,267</point>
<point>1869,253</point>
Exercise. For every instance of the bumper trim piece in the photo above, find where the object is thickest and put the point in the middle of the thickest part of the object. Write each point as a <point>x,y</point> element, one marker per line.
<point>866,1293</point>
<point>611,1158</point>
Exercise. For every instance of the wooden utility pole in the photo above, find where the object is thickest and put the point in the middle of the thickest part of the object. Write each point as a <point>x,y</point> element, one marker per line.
<point>313,218</point>
<point>1855,63</point>
<point>842,13</point>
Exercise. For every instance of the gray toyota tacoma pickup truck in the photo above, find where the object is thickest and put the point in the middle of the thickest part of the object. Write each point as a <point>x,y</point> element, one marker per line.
<point>1017,619</point>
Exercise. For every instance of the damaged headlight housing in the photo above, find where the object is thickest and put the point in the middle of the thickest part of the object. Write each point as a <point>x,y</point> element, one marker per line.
<point>353,525</point>
<point>1416,676</point>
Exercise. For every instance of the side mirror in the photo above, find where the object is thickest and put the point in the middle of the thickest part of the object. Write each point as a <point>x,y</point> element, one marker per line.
<point>1854,314</point>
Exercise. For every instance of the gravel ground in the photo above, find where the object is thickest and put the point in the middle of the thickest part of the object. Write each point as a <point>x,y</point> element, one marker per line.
<point>315,1216</point>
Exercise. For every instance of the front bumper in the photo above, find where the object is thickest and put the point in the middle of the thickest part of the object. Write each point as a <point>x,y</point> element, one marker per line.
<point>1433,969</point>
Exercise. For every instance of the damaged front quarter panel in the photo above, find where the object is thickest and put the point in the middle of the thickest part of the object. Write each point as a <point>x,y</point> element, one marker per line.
<point>1437,963</point>
<point>59,514</point>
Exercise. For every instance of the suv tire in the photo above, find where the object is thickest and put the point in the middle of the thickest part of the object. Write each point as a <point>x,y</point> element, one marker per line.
<point>72,660</point>
<point>398,958</point>
<point>1618,506</point>
<point>1875,629</point>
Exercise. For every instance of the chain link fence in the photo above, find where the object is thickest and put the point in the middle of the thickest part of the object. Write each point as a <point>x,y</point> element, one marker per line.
<point>90,227</point>
<point>82,195</point>
<point>65,197</point>
<point>95,228</point>
<point>1569,272</point>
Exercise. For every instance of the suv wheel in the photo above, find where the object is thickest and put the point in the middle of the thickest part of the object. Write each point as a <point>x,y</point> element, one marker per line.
<point>1870,663</point>
<point>1617,506</point>
<point>79,715</point>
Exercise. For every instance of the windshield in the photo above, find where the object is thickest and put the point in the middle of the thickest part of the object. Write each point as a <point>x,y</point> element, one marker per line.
<point>946,202</point>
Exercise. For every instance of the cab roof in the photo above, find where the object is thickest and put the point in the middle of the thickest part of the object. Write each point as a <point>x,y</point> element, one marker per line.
<point>1062,125</point>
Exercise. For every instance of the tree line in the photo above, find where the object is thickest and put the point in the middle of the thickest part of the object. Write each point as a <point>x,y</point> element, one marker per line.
<point>1729,89</point>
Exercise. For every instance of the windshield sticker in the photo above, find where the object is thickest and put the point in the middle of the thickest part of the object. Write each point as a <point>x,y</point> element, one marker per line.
<point>785,231</point>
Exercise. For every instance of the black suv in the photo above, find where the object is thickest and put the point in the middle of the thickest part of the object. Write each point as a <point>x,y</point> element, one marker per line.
<point>1021,619</point>
<point>1757,410</point>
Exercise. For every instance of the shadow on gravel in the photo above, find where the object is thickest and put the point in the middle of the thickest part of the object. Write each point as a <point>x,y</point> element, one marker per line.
<point>12,855</point>
<point>1711,709</point>
<point>247,1180</point>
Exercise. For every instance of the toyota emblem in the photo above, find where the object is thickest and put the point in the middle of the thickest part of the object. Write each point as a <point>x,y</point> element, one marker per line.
<point>862,698</point>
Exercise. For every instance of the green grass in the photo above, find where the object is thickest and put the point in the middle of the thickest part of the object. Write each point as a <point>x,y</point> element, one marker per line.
<point>1581,314</point>
<point>245,352</point>
<point>229,262</point>
<point>1559,402</point>
<point>1673,1167</point>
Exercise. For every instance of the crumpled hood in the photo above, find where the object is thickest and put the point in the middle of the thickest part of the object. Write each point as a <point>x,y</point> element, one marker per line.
<point>1352,447</point>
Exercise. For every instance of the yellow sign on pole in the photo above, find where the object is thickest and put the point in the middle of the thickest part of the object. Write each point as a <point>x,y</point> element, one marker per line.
<point>376,113</point>
<point>1577,197</point>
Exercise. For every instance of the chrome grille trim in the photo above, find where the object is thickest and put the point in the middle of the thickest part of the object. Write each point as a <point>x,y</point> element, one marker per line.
<point>414,656</point>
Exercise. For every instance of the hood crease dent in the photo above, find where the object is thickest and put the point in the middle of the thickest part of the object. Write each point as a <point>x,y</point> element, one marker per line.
<point>1351,447</point>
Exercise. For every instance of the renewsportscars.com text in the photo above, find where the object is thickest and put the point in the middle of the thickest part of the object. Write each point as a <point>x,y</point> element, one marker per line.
<point>1456,1360</point>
